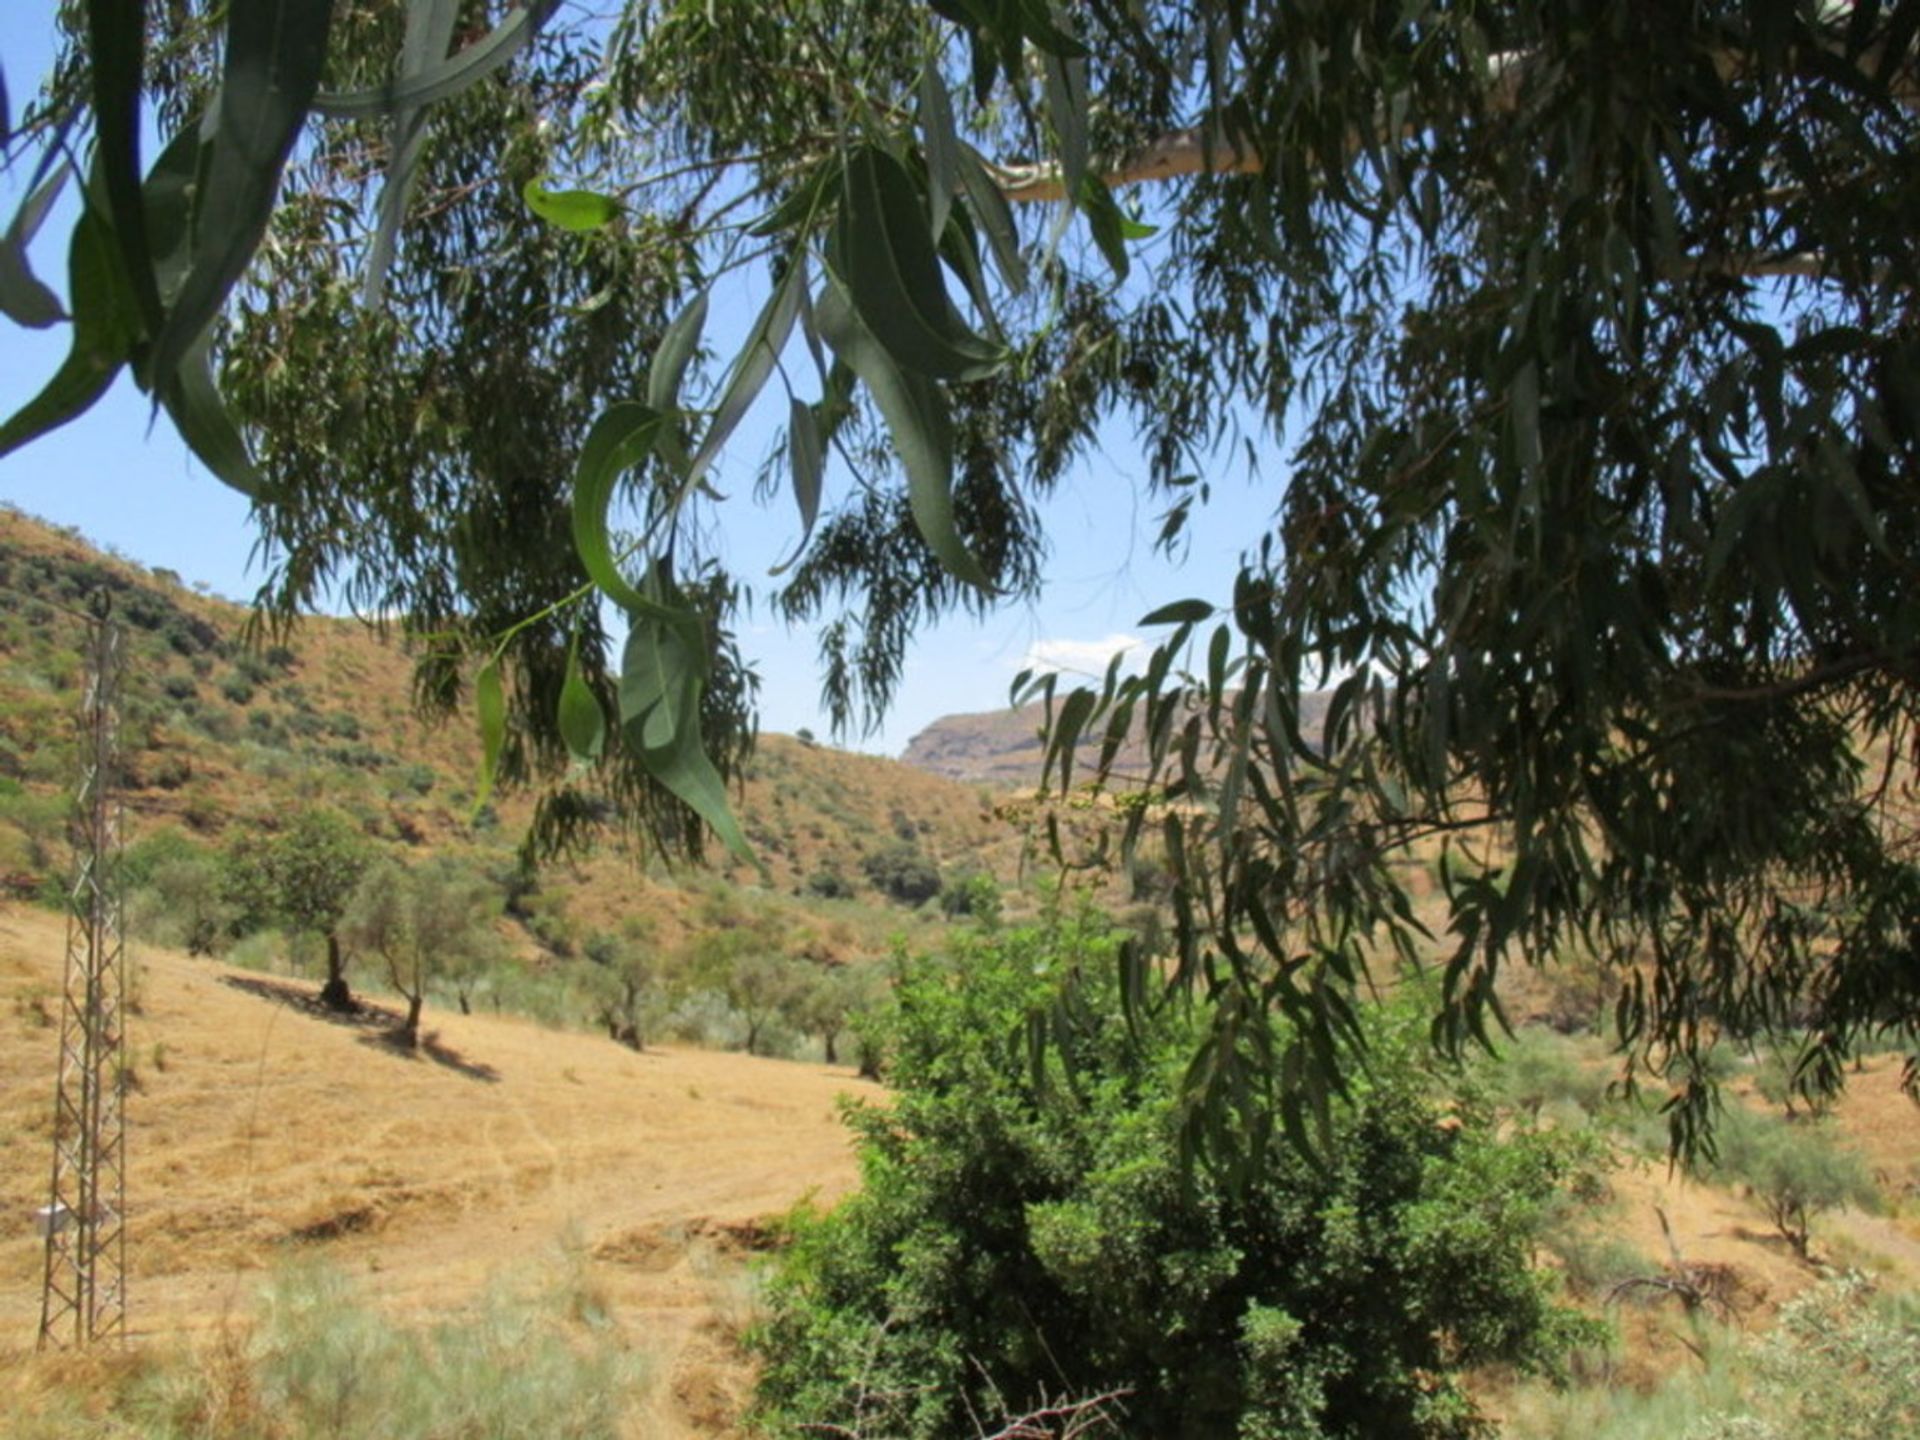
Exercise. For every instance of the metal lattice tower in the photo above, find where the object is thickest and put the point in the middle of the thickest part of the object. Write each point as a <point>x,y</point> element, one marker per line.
<point>84,1296</point>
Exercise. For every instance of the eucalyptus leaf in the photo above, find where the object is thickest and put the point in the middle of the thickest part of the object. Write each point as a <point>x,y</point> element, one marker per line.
<point>677,348</point>
<point>576,210</point>
<point>807,459</point>
<point>437,82</point>
<point>106,322</point>
<point>23,299</point>
<point>428,35</point>
<point>995,216</point>
<point>490,709</point>
<point>885,259</point>
<point>583,724</point>
<point>275,52</point>
<point>116,32</point>
<point>917,422</point>
<point>193,400</point>
<point>621,437</point>
<point>943,145</point>
<point>662,674</point>
<point>755,363</point>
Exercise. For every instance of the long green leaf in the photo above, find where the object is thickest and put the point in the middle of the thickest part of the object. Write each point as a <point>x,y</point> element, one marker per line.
<point>429,32</point>
<point>583,725</point>
<point>201,416</point>
<point>662,674</point>
<point>169,196</point>
<point>943,144</point>
<point>490,707</point>
<point>806,453</point>
<point>449,77</point>
<point>916,417</point>
<point>116,50</point>
<point>275,51</point>
<point>1067,109</point>
<point>677,348</point>
<point>23,299</point>
<point>883,254</point>
<point>620,438</point>
<point>575,210</point>
<point>105,325</point>
<point>995,216</point>
<point>755,363</point>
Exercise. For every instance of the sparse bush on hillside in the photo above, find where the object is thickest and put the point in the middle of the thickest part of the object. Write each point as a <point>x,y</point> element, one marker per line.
<point>530,1359</point>
<point>827,883</point>
<point>300,879</point>
<point>902,873</point>
<point>1025,1231</point>
<point>182,904</point>
<point>975,895</point>
<point>618,977</point>
<point>428,922</point>
<point>1796,1171</point>
<point>1539,1068</point>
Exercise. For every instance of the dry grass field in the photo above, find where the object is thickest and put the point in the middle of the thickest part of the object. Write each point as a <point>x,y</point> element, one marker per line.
<point>261,1130</point>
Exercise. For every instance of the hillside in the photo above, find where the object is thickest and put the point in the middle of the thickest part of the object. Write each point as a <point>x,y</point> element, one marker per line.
<point>227,732</point>
<point>1002,747</point>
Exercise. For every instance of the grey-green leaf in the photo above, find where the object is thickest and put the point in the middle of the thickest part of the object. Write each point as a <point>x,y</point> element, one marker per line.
<point>943,145</point>
<point>755,362</point>
<point>995,215</point>
<point>677,347</point>
<point>275,51</point>
<point>429,33</point>
<point>916,417</point>
<point>882,254</point>
<point>201,416</point>
<point>105,322</point>
<point>583,725</point>
<point>807,455</point>
<point>449,77</point>
<point>661,677</point>
<point>23,299</point>
<point>1180,612</point>
<point>623,435</point>
<point>490,706</point>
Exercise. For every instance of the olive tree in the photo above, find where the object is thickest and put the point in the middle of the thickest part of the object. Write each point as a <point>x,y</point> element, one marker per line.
<point>425,922</point>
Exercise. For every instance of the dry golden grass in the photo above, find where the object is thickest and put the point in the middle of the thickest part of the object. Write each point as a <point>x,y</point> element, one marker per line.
<point>260,1130</point>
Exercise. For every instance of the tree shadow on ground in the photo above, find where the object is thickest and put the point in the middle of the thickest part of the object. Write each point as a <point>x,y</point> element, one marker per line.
<point>380,1027</point>
<point>430,1047</point>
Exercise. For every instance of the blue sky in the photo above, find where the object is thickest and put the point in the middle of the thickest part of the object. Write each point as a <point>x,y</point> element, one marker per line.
<point>129,484</point>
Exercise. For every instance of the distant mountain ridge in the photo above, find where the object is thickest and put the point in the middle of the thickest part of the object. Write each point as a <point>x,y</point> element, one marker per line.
<point>1003,747</point>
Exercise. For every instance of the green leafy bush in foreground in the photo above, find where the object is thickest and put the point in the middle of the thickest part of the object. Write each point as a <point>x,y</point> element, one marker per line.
<point>1024,1234</point>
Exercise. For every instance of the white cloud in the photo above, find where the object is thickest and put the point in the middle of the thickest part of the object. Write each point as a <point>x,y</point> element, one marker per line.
<point>1078,657</point>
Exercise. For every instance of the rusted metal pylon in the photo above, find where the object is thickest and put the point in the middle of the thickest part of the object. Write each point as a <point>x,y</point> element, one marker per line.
<point>84,1297</point>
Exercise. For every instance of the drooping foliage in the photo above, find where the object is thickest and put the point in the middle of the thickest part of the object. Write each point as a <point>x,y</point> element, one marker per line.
<point>1023,1234</point>
<point>1573,342</point>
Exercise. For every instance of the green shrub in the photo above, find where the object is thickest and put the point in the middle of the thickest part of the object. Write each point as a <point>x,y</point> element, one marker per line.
<point>827,883</point>
<point>902,873</point>
<point>1539,1068</point>
<point>529,1360</point>
<point>1835,1367</point>
<point>1021,1234</point>
<point>1794,1169</point>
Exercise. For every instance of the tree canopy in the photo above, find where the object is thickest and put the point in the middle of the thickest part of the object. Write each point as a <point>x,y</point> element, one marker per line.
<point>1575,342</point>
